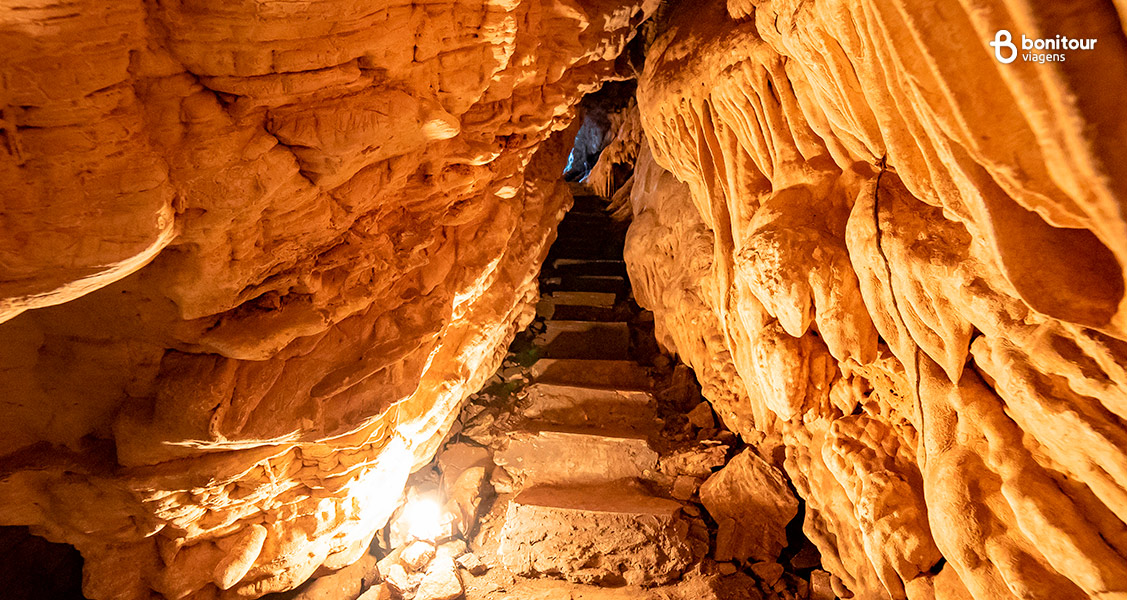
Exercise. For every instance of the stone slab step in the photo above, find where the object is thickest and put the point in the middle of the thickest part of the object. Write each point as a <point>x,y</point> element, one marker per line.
<point>582,298</point>
<point>590,214</point>
<point>579,188</point>
<point>610,284</point>
<point>594,239</point>
<point>587,406</point>
<point>586,227</point>
<point>587,214</point>
<point>573,262</point>
<point>710,586</point>
<point>612,374</point>
<point>590,204</point>
<point>579,306</point>
<point>573,312</point>
<point>607,534</point>
<point>566,266</point>
<point>524,588</point>
<point>585,339</point>
<point>609,497</point>
<point>586,250</point>
<point>553,457</point>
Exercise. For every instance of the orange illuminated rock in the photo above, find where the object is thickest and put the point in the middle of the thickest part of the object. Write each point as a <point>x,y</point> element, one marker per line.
<point>751,503</point>
<point>896,265</point>
<point>253,257</point>
<point>610,534</point>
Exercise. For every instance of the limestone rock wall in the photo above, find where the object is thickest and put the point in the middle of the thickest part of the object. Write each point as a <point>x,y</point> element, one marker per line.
<point>253,255</point>
<point>897,266</point>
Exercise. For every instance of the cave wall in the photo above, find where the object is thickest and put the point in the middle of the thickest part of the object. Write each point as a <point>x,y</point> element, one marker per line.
<point>253,256</point>
<point>896,265</point>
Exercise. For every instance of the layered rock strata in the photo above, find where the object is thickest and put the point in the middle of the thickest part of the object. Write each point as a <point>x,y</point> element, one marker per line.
<point>897,266</point>
<point>254,255</point>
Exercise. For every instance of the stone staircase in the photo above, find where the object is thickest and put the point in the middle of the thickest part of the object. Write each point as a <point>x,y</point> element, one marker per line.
<point>586,503</point>
<point>575,474</point>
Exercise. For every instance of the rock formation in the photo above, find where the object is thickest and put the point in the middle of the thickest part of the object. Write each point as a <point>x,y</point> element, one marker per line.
<point>270,247</point>
<point>749,500</point>
<point>254,255</point>
<point>897,265</point>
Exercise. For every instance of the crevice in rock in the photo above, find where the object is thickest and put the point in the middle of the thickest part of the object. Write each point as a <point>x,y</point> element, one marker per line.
<point>31,568</point>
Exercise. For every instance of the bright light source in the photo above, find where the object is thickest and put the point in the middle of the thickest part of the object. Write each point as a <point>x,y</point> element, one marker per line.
<point>424,518</point>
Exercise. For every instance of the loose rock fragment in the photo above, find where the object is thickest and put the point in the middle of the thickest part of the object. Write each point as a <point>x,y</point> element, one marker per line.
<point>768,572</point>
<point>697,461</point>
<point>381,591</point>
<point>701,416</point>
<point>472,563</point>
<point>752,504</point>
<point>402,582</point>
<point>684,487</point>
<point>417,555</point>
<point>441,581</point>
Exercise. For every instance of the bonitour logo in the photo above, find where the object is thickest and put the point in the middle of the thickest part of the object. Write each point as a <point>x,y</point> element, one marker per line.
<point>1006,51</point>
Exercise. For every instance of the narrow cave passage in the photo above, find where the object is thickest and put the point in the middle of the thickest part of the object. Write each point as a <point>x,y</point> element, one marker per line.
<point>590,465</point>
<point>579,299</point>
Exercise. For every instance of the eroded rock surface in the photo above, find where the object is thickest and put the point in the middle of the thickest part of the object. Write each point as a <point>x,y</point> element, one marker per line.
<point>270,247</point>
<point>898,262</point>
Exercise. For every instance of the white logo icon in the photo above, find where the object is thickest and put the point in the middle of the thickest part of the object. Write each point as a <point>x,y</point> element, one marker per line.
<point>1003,39</point>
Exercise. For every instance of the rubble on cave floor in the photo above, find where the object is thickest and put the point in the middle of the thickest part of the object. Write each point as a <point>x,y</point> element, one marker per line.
<point>590,467</point>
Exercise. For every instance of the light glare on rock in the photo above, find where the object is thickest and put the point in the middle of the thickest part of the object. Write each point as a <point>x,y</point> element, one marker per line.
<point>424,518</point>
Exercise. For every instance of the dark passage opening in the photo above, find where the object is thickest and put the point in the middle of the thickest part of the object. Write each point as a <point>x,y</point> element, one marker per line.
<point>34,569</point>
<point>598,112</point>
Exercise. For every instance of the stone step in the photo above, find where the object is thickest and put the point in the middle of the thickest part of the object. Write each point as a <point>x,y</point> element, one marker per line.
<point>573,262</point>
<point>612,374</point>
<point>585,224</point>
<point>586,250</point>
<point>555,455</point>
<point>610,284</point>
<point>589,227</point>
<point>582,298</point>
<point>589,204</point>
<point>565,266</point>
<point>573,312</point>
<point>607,497</point>
<point>589,211</point>
<point>579,189</point>
<point>579,306</point>
<point>594,243</point>
<point>609,534</point>
<point>585,339</point>
<point>586,214</point>
<point>587,406</point>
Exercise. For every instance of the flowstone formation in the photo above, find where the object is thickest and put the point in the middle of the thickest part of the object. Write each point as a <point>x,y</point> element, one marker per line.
<point>254,255</point>
<point>899,262</point>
